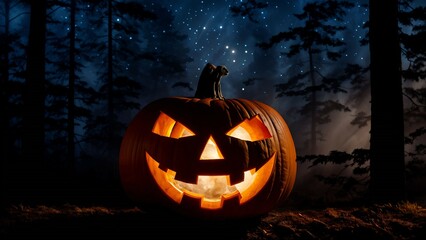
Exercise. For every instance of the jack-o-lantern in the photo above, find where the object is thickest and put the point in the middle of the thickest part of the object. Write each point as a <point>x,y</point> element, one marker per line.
<point>208,156</point>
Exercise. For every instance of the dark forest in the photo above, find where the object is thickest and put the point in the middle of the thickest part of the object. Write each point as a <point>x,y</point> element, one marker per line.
<point>348,77</point>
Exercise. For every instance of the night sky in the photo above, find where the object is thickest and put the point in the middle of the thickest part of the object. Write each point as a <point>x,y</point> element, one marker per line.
<point>216,36</point>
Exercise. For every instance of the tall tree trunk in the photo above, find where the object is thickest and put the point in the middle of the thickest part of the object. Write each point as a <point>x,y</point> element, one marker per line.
<point>313,104</point>
<point>33,166</point>
<point>4,106</point>
<point>387,123</point>
<point>110,81</point>
<point>110,75</point>
<point>71,90</point>
<point>34,93</point>
<point>4,85</point>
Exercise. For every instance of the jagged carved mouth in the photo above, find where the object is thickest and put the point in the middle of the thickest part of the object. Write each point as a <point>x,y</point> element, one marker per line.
<point>212,191</point>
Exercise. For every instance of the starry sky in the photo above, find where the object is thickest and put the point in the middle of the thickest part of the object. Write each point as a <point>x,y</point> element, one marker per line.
<point>218,37</point>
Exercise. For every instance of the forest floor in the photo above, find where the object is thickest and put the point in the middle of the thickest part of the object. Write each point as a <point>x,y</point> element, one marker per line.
<point>386,221</point>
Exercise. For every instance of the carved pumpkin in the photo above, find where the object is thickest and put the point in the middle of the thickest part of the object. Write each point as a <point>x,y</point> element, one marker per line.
<point>208,157</point>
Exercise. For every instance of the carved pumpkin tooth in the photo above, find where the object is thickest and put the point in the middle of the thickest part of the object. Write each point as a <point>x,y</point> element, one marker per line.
<point>236,178</point>
<point>163,167</point>
<point>187,177</point>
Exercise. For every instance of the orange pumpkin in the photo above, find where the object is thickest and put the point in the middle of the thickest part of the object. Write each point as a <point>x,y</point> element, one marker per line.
<point>210,158</point>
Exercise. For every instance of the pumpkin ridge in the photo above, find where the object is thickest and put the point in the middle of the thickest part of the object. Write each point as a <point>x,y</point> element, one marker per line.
<point>287,152</point>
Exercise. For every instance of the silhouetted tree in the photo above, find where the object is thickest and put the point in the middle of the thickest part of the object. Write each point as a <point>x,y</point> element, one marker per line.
<point>71,90</point>
<point>317,36</point>
<point>413,33</point>
<point>4,97</point>
<point>412,21</point>
<point>56,89</point>
<point>412,36</point>
<point>12,67</point>
<point>4,80</point>
<point>387,163</point>
<point>165,54</point>
<point>34,93</point>
<point>12,78</point>
<point>68,96</point>
<point>116,50</point>
<point>33,132</point>
<point>387,181</point>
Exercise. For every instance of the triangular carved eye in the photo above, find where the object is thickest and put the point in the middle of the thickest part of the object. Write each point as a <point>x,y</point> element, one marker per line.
<point>168,127</point>
<point>211,151</point>
<point>251,129</point>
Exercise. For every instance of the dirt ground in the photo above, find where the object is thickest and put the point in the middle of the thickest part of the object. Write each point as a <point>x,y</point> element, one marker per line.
<point>387,221</point>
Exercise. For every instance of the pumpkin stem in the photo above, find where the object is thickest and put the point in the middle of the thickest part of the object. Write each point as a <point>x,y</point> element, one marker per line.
<point>209,82</point>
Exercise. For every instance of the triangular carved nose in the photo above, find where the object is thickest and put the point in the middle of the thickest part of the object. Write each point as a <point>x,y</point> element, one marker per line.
<point>211,151</point>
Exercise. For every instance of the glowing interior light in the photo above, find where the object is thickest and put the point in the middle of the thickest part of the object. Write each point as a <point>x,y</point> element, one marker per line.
<point>212,190</point>
<point>211,151</point>
<point>252,129</point>
<point>241,133</point>
<point>167,127</point>
<point>211,187</point>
